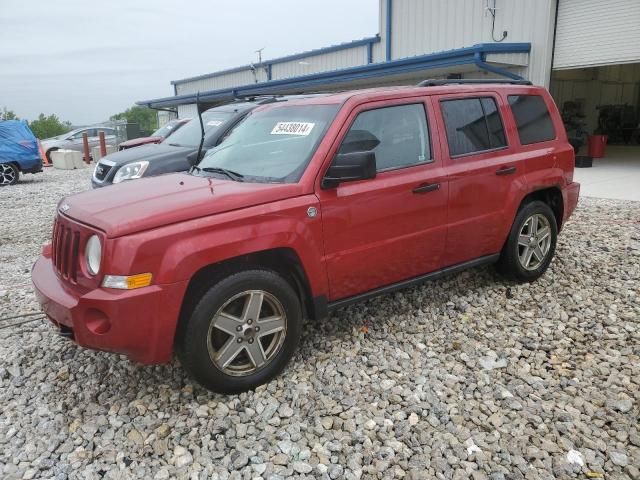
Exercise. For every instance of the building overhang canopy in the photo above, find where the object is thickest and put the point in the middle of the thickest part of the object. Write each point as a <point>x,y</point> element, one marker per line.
<point>476,57</point>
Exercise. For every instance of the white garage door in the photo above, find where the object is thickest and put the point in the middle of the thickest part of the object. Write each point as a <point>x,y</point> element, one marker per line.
<point>593,33</point>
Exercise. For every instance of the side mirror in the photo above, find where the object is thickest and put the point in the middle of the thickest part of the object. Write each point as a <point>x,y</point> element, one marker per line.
<point>349,167</point>
<point>193,159</point>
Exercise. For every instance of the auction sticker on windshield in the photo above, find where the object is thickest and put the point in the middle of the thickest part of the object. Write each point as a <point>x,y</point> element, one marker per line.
<point>293,128</point>
<point>214,123</point>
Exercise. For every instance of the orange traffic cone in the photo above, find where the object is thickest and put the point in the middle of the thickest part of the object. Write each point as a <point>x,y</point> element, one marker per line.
<point>43,156</point>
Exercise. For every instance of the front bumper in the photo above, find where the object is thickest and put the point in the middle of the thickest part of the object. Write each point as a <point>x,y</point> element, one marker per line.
<point>138,323</point>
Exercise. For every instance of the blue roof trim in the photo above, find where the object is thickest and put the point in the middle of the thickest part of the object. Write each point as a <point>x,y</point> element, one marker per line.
<point>462,56</point>
<point>296,56</point>
<point>479,60</point>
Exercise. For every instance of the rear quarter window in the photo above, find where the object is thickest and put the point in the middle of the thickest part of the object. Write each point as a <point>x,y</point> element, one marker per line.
<point>532,119</point>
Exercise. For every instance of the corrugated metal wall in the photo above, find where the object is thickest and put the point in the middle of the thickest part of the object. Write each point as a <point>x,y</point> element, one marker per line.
<point>187,111</point>
<point>243,77</point>
<point>597,32</point>
<point>164,117</point>
<point>425,26</point>
<point>325,62</point>
<point>320,63</point>
<point>521,59</point>
<point>422,26</point>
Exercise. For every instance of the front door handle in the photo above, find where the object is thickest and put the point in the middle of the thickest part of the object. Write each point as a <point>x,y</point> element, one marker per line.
<point>506,171</point>
<point>426,187</point>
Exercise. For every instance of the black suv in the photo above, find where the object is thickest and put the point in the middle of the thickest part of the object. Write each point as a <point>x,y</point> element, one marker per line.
<point>179,152</point>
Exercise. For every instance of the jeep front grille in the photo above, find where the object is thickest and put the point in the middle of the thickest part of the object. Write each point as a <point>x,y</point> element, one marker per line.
<point>65,246</point>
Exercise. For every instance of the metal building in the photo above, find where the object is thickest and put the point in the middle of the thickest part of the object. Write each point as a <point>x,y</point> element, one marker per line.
<point>586,51</point>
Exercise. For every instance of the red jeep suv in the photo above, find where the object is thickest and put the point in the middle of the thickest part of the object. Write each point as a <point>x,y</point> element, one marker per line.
<point>307,206</point>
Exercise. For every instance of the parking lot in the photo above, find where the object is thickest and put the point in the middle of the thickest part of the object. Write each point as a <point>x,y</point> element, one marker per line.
<point>470,376</point>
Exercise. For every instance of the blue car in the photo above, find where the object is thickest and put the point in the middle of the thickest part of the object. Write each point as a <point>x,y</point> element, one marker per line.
<point>19,151</point>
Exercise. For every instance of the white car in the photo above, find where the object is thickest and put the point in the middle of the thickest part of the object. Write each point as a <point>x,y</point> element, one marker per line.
<point>73,140</point>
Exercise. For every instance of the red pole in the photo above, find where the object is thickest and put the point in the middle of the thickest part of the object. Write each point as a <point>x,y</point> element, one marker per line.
<point>103,144</point>
<point>85,144</point>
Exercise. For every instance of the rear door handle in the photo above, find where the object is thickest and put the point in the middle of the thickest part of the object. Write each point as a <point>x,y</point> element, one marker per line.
<point>506,171</point>
<point>426,187</point>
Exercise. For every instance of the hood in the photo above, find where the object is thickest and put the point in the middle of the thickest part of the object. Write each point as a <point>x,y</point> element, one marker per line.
<point>148,203</point>
<point>152,152</point>
<point>134,142</point>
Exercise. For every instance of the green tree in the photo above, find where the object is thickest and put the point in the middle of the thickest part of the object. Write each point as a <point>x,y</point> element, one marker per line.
<point>145,117</point>
<point>49,126</point>
<point>8,114</point>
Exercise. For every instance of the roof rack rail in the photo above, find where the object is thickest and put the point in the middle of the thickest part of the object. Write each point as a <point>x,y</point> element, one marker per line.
<point>470,81</point>
<point>253,96</point>
<point>276,96</point>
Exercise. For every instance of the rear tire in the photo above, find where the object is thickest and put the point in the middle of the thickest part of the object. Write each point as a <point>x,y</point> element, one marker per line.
<point>531,244</point>
<point>242,332</point>
<point>9,174</point>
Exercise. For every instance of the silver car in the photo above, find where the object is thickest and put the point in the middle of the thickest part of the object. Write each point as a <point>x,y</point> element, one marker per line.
<point>73,140</point>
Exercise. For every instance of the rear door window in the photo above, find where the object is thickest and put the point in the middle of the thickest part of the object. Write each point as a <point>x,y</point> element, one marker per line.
<point>398,136</point>
<point>532,119</point>
<point>473,125</point>
<point>494,123</point>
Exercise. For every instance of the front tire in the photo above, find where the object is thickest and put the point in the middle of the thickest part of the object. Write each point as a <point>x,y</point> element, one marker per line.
<point>9,174</point>
<point>531,244</point>
<point>242,332</point>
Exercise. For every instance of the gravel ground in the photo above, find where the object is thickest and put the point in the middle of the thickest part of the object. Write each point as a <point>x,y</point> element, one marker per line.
<point>467,377</point>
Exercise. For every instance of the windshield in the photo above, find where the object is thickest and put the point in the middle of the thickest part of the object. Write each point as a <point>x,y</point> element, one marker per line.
<point>189,135</point>
<point>167,129</point>
<point>272,145</point>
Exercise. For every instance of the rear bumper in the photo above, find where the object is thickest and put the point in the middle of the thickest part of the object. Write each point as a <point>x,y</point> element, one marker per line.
<point>138,323</point>
<point>570,196</point>
<point>31,166</point>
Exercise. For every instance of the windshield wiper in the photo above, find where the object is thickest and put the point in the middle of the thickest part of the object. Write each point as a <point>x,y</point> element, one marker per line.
<point>235,176</point>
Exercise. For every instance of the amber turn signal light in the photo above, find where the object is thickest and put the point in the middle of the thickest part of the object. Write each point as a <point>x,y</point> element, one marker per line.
<point>130,282</point>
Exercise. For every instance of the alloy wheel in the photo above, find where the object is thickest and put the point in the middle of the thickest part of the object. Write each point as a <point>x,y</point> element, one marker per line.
<point>247,332</point>
<point>534,242</point>
<point>7,174</point>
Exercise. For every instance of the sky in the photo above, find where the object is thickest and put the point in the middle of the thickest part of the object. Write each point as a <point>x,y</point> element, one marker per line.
<point>86,60</point>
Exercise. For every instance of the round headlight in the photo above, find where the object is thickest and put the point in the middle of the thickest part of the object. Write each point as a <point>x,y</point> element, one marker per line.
<point>93,254</point>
